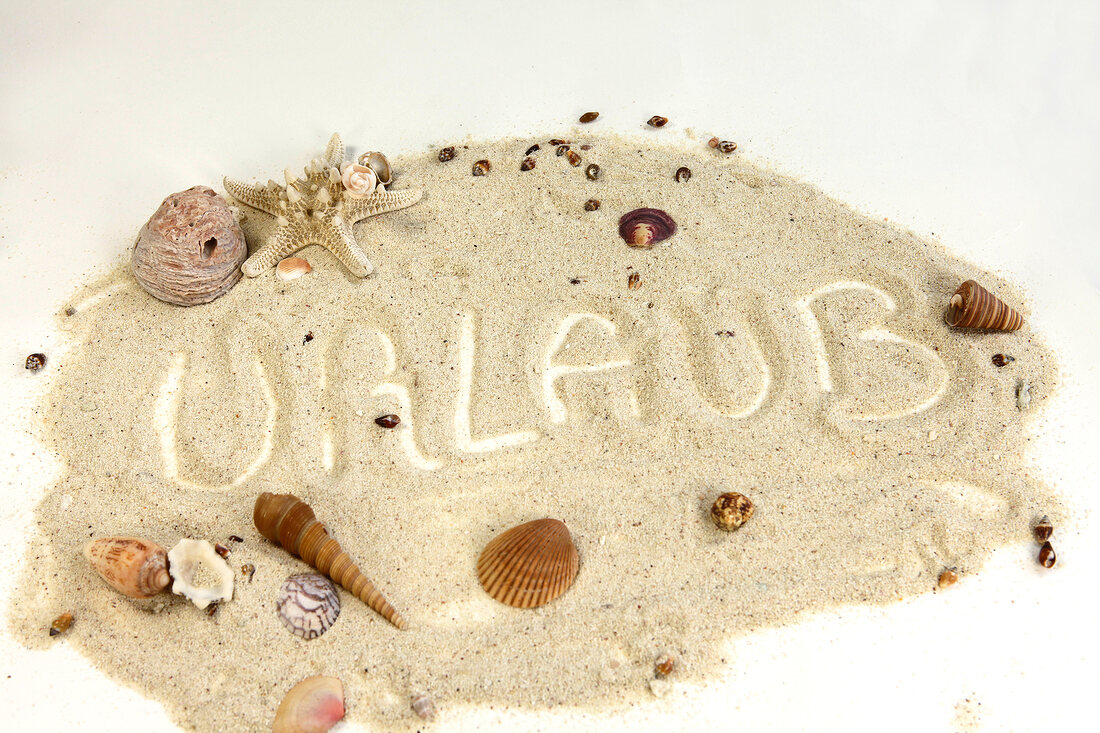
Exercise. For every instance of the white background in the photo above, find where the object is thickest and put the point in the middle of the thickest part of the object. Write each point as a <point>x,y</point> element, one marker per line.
<point>975,123</point>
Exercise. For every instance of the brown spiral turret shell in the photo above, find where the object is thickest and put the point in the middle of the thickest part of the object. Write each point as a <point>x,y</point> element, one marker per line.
<point>288,521</point>
<point>972,306</point>
<point>134,567</point>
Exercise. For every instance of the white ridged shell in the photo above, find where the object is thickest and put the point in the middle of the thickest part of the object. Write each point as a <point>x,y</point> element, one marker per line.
<point>185,561</point>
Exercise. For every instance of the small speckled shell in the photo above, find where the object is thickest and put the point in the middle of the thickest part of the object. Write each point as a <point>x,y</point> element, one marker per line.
<point>134,567</point>
<point>308,604</point>
<point>312,706</point>
<point>973,306</point>
<point>644,228</point>
<point>530,565</point>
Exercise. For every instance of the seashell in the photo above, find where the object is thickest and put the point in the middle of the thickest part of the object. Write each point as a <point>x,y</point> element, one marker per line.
<point>646,227</point>
<point>312,706</point>
<point>308,604</point>
<point>199,573</point>
<point>359,181</point>
<point>191,250</point>
<point>530,565</point>
<point>291,268</point>
<point>134,567</point>
<point>378,163</point>
<point>972,306</point>
<point>288,521</point>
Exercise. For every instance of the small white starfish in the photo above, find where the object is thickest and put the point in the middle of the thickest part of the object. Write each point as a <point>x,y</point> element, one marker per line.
<point>315,210</point>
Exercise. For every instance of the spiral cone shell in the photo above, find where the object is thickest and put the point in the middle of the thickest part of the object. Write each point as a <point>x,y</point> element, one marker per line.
<point>288,521</point>
<point>530,565</point>
<point>134,567</point>
<point>973,306</point>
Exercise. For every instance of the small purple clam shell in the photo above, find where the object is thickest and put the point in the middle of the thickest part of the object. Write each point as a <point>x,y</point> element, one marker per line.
<point>645,227</point>
<point>308,604</point>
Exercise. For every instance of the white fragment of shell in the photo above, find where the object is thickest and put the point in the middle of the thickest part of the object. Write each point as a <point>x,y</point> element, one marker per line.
<point>199,573</point>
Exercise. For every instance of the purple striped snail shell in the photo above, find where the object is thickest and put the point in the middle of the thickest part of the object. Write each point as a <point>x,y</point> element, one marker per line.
<point>972,306</point>
<point>644,228</point>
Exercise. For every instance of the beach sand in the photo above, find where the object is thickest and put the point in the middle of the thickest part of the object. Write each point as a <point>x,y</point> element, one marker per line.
<point>780,345</point>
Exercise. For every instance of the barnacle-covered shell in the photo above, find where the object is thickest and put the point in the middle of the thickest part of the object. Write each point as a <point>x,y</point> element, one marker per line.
<point>191,250</point>
<point>646,227</point>
<point>287,520</point>
<point>972,306</point>
<point>378,163</point>
<point>529,565</point>
<point>134,567</point>
<point>199,573</point>
<point>312,706</point>
<point>308,604</point>
<point>291,268</point>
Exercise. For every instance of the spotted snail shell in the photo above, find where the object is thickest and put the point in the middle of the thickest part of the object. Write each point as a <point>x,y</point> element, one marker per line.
<point>288,521</point>
<point>134,567</point>
<point>530,565</point>
<point>972,306</point>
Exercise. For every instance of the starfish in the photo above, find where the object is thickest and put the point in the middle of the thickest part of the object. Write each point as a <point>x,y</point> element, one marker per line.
<point>316,209</point>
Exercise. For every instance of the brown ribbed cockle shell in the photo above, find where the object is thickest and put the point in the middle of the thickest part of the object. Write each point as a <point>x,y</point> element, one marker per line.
<point>134,567</point>
<point>530,565</point>
<point>288,521</point>
<point>972,306</point>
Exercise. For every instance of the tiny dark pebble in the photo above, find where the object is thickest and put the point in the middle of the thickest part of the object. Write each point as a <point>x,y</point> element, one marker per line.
<point>634,281</point>
<point>586,147</point>
<point>221,550</point>
<point>481,168</point>
<point>527,164</point>
<point>589,116</point>
<point>235,538</point>
<point>683,173</point>
<point>559,141</point>
<point>562,150</point>
<point>657,121</point>
<point>592,172</point>
<point>387,421</point>
<point>727,146</point>
<point>533,149</point>
<point>61,624</point>
<point>591,204</point>
<point>447,153</point>
<point>575,281</point>
<point>70,311</point>
<point>1043,530</point>
<point>574,159</point>
<point>212,609</point>
<point>1047,557</point>
<point>307,338</point>
<point>35,362</point>
<point>1000,360</point>
<point>248,571</point>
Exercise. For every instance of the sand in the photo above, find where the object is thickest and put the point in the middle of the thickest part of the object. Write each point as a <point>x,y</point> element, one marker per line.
<point>780,345</point>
